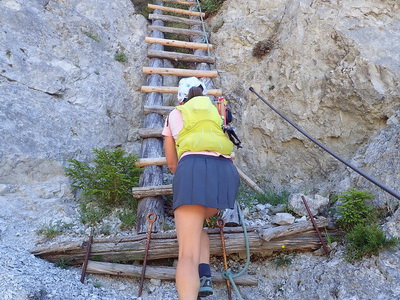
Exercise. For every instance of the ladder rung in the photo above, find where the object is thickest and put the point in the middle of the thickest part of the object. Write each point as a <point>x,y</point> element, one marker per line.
<point>176,43</point>
<point>180,72</point>
<point>180,2</point>
<point>181,56</point>
<point>157,161</point>
<point>176,30</point>
<point>176,10</point>
<point>151,191</point>
<point>168,18</point>
<point>158,109</point>
<point>173,90</point>
<point>147,133</point>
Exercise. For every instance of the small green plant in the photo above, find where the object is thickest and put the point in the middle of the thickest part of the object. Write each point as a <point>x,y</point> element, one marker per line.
<point>127,218</point>
<point>365,240</point>
<point>141,7</point>
<point>355,210</point>
<point>282,261</point>
<point>273,198</point>
<point>63,262</point>
<point>93,36</point>
<point>51,230</point>
<point>211,6</point>
<point>97,284</point>
<point>121,57</point>
<point>106,182</point>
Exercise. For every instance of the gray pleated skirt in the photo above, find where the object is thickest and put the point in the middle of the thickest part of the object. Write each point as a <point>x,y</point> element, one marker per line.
<point>205,180</point>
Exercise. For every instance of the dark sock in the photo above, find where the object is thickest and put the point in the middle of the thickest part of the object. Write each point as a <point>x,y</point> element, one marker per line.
<point>204,270</point>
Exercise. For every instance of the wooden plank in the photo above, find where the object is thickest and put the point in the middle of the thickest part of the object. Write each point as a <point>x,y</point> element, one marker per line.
<point>176,10</point>
<point>180,2</point>
<point>153,272</point>
<point>176,43</point>
<point>167,18</point>
<point>173,90</point>
<point>250,182</point>
<point>181,72</point>
<point>181,56</point>
<point>175,30</point>
<point>162,110</point>
<point>151,191</point>
<point>146,133</point>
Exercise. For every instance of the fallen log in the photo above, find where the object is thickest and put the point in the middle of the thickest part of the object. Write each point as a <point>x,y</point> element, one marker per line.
<point>165,245</point>
<point>274,232</point>
<point>152,272</point>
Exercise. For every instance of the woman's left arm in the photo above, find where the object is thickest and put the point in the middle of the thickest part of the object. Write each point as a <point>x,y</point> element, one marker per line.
<point>170,153</point>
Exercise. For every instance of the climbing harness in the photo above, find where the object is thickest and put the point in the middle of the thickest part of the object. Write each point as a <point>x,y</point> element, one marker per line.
<point>151,217</point>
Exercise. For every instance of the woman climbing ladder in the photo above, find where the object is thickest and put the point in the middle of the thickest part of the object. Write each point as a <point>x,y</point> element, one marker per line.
<point>205,181</point>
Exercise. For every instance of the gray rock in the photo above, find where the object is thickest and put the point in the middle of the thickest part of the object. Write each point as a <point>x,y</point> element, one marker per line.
<point>283,219</point>
<point>315,203</point>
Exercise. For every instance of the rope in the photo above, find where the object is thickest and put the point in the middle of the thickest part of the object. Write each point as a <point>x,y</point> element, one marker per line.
<point>205,38</point>
<point>227,274</point>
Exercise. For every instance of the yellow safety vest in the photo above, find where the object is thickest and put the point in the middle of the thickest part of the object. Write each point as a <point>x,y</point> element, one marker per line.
<point>201,128</point>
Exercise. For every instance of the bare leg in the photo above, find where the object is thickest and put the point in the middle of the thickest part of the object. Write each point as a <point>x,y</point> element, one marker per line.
<point>189,225</point>
<point>205,241</point>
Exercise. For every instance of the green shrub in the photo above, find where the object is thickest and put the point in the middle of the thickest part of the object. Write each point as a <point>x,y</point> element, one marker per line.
<point>273,198</point>
<point>365,240</point>
<point>106,182</point>
<point>51,230</point>
<point>121,57</point>
<point>355,210</point>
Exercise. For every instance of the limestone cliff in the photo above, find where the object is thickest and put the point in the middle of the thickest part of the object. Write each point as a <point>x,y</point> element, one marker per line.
<point>62,90</point>
<point>333,67</point>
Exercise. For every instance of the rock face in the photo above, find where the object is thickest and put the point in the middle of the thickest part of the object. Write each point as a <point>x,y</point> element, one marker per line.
<point>62,92</point>
<point>332,67</point>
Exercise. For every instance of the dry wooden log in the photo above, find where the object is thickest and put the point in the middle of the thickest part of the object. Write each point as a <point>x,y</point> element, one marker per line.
<point>268,234</point>
<point>146,133</point>
<point>152,272</point>
<point>180,2</point>
<point>158,109</point>
<point>173,90</point>
<point>180,72</point>
<point>151,191</point>
<point>176,10</point>
<point>158,161</point>
<point>167,18</point>
<point>164,245</point>
<point>249,182</point>
<point>177,30</point>
<point>176,43</point>
<point>181,56</point>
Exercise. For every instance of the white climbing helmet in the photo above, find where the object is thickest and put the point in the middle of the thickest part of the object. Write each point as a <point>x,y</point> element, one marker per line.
<point>185,84</point>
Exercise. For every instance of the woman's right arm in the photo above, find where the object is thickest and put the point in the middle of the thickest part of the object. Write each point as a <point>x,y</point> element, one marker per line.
<point>170,153</point>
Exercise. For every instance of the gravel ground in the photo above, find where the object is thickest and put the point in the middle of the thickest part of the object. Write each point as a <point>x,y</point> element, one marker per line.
<point>23,276</point>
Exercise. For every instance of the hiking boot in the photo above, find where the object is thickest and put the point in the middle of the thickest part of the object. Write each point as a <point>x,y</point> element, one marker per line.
<point>205,286</point>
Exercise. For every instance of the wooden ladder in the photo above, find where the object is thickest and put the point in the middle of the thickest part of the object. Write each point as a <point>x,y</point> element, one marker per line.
<point>152,190</point>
